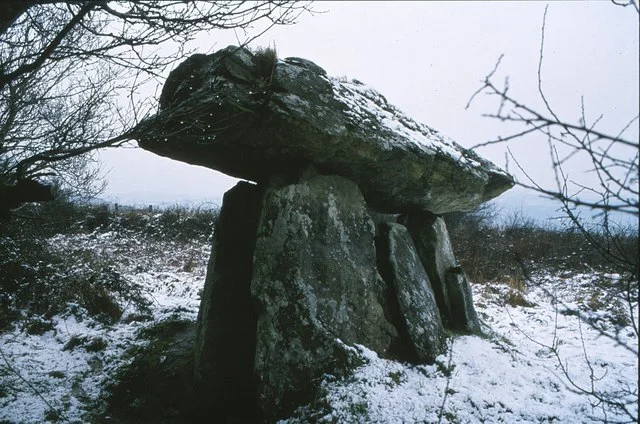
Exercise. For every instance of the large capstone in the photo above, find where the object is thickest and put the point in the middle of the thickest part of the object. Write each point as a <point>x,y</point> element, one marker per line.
<point>316,287</point>
<point>251,117</point>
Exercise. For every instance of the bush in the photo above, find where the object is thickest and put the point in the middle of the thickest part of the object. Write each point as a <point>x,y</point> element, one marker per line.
<point>175,223</point>
<point>37,281</point>
<point>63,216</point>
<point>34,281</point>
<point>492,249</point>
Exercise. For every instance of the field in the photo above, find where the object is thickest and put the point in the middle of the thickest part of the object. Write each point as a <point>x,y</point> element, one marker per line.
<point>94,304</point>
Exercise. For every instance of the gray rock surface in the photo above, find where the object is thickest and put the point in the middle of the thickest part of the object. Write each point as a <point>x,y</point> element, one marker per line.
<point>314,282</point>
<point>450,286</point>
<point>226,325</point>
<point>416,301</point>
<point>310,261</point>
<point>250,117</point>
<point>463,314</point>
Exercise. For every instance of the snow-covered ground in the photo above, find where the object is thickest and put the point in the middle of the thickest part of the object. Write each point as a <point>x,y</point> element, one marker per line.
<point>54,381</point>
<point>514,374</point>
<point>511,376</point>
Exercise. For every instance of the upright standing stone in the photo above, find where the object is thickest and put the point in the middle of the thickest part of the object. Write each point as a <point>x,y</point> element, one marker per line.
<point>420,317</point>
<point>463,317</point>
<point>226,327</point>
<point>451,288</point>
<point>315,281</point>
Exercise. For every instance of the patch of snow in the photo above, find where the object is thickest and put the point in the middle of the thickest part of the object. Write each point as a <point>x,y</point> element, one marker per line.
<point>50,376</point>
<point>513,375</point>
<point>366,105</point>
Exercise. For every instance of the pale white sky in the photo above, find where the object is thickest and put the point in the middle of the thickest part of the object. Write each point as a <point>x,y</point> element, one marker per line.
<point>428,58</point>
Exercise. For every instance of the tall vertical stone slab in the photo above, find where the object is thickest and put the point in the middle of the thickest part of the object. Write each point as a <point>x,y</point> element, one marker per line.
<point>419,314</point>
<point>315,281</point>
<point>226,326</point>
<point>464,316</point>
<point>451,288</point>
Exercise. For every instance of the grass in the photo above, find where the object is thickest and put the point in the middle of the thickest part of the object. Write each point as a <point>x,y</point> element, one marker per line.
<point>265,59</point>
<point>505,251</point>
<point>38,281</point>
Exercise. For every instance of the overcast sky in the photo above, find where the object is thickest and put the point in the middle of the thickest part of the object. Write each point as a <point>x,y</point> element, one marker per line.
<point>428,58</point>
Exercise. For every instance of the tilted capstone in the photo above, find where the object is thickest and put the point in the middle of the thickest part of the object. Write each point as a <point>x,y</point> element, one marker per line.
<point>230,112</point>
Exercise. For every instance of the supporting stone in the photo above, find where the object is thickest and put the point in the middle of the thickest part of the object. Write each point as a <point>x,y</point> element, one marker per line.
<point>463,316</point>
<point>226,327</point>
<point>450,286</point>
<point>419,313</point>
<point>315,281</point>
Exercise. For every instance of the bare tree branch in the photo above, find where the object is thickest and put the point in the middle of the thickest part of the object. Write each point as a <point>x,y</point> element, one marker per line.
<point>613,162</point>
<point>66,66</point>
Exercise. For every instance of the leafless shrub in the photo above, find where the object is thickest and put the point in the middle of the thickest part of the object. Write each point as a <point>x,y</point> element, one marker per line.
<point>70,74</point>
<point>613,160</point>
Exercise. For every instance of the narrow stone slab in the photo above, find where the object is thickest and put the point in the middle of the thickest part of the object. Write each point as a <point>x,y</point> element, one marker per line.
<point>464,317</point>
<point>417,303</point>
<point>450,286</point>
<point>227,319</point>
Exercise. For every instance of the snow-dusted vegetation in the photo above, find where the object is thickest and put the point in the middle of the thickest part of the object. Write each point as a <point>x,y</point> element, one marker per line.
<point>511,375</point>
<point>73,317</point>
<point>559,345</point>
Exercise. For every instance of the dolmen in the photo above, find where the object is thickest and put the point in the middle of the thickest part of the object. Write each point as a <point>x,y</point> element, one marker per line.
<point>333,239</point>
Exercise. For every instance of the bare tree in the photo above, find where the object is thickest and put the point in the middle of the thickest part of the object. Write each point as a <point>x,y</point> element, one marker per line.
<point>65,68</point>
<point>613,159</point>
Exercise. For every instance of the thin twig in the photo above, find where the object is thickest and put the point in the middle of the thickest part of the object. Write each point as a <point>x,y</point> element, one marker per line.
<point>446,389</point>
<point>32,387</point>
